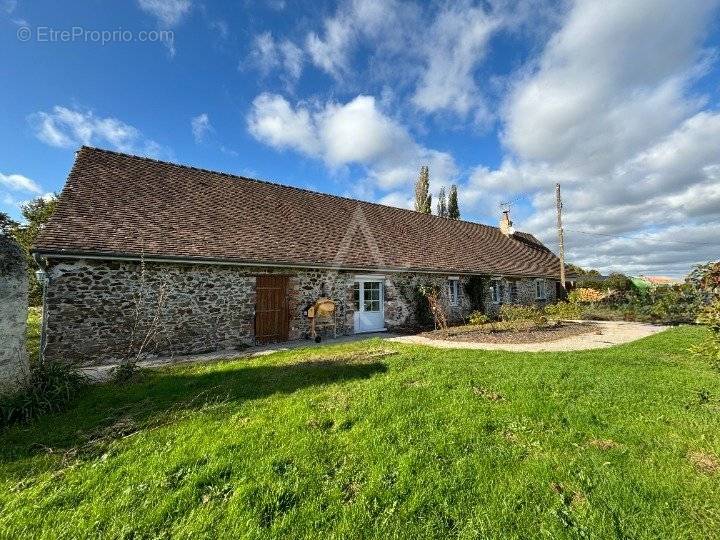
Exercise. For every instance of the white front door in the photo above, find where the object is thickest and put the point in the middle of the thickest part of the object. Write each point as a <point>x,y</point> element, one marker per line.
<point>369,311</point>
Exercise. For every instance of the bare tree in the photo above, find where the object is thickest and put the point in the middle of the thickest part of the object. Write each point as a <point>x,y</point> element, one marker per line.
<point>432,293</point>
<point>146,323</point>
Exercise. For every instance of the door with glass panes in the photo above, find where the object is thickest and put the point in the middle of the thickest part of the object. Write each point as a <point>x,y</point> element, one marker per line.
<point>368,297</point>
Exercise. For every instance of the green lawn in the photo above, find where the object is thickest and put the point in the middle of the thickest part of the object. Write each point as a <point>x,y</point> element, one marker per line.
<point>425,443</point>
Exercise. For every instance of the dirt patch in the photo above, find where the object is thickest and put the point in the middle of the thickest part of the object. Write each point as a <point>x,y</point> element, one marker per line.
<point>704,462</point>
<point>569,497</point>
<point>603,444</point>
<point>536,334</point>
<point>487,394</point>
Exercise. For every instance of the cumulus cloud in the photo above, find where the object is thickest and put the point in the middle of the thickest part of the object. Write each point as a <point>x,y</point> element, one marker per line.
<point>607,111</point>
<point>18,182</point>
<point>356,132</point>
<point>69,128</point>
<point>201,127</point>
<point>275,122</point>
<point>457,43</point>
<point>168,12</point>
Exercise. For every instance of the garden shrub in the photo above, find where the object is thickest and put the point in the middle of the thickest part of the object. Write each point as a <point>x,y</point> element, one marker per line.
<point>563,310</point>
<point>710,317</point>
<point>706,278</point>
<point>52,385</point>
<point>584,294</point>
<point>668,304</point>
<point>478,318</point>
<point>618,282</point>
<point>511,313</point>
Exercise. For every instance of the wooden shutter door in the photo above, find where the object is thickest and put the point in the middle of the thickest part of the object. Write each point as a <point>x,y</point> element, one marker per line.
<point>272,322</point>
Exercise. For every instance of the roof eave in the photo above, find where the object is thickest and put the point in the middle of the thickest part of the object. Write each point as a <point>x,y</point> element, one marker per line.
<point>101,255</point>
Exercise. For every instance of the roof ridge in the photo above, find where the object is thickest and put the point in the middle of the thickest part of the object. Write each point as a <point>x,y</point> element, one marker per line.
<point>278,184</point>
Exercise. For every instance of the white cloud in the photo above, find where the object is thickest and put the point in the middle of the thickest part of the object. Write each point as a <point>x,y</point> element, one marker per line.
<point>607,111</point>
<point>18,182</point>
<point>201,127</point>
<point>602,81</point>
<point>398,199</point>
<point>292,56</point>
<point>437,50</point>
<point>69,128</point>
<point>457,43</point>
<point>387,24</point>
<point>274,121</point>
<point>168,12</point>
<point>268,55</point>
<point>356,132</point>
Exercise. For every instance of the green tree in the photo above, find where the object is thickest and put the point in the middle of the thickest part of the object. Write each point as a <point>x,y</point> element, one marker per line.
<point>442,210</point>
<point>7,224</point>
<point>423,199</point>
<point>580,271</point>
<point>453,207</point>
<point>36,213</point>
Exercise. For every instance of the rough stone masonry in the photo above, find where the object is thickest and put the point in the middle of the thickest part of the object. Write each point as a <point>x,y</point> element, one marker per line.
<point>98,311</point>
<point>14,368</point>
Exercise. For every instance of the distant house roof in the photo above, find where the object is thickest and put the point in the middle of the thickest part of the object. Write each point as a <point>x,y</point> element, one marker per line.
<point>661,280</point>
<point>115,204</point>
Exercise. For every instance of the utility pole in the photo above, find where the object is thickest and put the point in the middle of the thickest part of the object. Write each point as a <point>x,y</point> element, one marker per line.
<point>561,240</point>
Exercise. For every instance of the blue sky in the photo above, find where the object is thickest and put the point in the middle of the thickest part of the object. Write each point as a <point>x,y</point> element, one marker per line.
<point>616,100</point>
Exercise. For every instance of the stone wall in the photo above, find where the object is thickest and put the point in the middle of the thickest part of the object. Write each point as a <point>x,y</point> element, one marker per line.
<point>519,291</point>
<point>101,311</point>
<point>401,299</point>
<point>14,367</point>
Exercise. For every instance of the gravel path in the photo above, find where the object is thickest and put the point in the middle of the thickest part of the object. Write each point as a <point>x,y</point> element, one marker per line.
<point>609,333</point>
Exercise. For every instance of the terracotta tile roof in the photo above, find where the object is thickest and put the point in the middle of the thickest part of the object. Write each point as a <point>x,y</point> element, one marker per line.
<point>116,204</point>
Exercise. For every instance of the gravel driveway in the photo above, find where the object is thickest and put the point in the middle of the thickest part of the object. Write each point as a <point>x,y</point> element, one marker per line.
<point>609,333</point>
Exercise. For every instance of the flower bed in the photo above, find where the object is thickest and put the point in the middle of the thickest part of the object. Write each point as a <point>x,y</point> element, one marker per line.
<point>513,332</point>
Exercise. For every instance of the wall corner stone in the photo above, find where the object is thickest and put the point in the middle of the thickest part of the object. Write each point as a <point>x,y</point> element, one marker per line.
<point>14,367</point>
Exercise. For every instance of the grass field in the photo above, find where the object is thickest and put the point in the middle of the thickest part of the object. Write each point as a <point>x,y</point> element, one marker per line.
<point>336,442</point>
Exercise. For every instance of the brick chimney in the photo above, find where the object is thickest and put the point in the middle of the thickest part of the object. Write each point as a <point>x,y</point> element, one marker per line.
<point>506,224</point>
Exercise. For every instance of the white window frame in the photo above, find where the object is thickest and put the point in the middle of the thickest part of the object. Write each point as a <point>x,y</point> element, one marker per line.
<point>454,291</point>
<point>540,289</point>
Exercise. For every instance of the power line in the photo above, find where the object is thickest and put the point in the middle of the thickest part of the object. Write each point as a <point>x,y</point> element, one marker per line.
<point>643,239</point>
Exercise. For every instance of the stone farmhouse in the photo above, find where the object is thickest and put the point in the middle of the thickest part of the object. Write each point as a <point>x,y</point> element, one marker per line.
<point>195,260</point>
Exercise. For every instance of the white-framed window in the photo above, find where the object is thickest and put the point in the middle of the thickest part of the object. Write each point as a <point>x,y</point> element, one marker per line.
<point>454,291</point>
<point>496,291</point>
<point>540,289</point>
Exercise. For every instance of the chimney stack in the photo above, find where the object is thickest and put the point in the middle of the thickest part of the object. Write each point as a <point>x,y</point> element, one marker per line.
<point>506,224</point>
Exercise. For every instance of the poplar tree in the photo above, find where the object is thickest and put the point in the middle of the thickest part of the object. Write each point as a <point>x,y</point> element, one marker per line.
<point>453,208</point>
<point>423,199</point>
<point>442,209</point>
